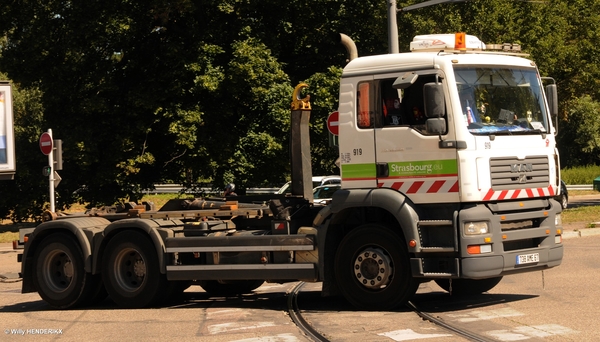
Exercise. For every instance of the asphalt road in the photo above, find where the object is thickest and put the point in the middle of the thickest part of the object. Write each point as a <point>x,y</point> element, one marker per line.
<point>559,304</point>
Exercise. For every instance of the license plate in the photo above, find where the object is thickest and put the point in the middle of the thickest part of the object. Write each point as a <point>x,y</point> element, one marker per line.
<point>528,258</point>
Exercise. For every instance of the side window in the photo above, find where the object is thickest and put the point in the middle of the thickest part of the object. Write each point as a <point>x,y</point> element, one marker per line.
<point>364,105</point>
<point>392,111</point>
<point>404,107</point>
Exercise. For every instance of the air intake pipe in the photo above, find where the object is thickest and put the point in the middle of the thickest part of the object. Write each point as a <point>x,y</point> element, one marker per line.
<point>349,45</point>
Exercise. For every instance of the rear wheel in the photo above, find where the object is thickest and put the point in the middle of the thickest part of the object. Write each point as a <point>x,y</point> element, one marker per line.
<point>130,270</point>
<point>230,287</point>
<point>373,269</point>
<point>60,276</point>
<point>465,287</point>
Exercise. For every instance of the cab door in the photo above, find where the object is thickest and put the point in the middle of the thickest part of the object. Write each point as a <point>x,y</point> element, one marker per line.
<point>410,157</point>
<point>357,114</point>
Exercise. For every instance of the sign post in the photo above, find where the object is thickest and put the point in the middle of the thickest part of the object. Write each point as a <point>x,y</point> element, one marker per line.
<point>47,147</point>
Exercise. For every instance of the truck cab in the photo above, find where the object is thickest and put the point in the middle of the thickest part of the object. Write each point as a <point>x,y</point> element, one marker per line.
<point>454,145</point>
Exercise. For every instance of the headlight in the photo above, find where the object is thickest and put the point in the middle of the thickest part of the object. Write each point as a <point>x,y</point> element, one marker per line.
<point>557,220</point>
<point>476,228</point>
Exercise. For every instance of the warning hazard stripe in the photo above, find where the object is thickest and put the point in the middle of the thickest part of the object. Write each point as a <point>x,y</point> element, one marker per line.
<point>492,195</point>
<point>426,186</point>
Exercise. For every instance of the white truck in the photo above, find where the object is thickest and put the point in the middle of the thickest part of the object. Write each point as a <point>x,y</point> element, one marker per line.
<point>449,169</point>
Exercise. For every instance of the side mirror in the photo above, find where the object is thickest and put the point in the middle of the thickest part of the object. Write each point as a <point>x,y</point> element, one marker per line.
<point>551,93</point>
<point>433,95</point>
<point>435,108</point>
<point>435,126</point>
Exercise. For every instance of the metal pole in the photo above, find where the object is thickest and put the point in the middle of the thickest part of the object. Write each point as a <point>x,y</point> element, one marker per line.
<point>392,27</point>
<point>51,175</point>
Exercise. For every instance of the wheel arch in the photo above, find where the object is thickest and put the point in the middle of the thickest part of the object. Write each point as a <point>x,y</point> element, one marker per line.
<point>398,208</point>
<point>82,229</point>
<point>381,205</point>
<point>156,230</point>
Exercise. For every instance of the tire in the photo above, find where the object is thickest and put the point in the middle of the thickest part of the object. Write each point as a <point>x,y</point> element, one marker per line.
<point>468,287</point>
<point>60,276</point>
<point>372,268</point>
<point>564,201</point>
<point>230,287</point>
<point>130,270</point>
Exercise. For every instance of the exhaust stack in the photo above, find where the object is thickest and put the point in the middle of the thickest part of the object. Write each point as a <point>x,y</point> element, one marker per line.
<point>350,46</point>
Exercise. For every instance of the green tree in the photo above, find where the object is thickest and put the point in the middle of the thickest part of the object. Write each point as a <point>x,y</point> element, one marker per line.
<point>582,132</point>
<point>16,200</point>
<point>323,88</point>
<point>190,92</point>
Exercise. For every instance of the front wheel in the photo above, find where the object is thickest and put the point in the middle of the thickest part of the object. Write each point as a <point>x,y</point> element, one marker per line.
<point>373,268</point>
<point>466,287</point>
<point>60,276</point>
<point>130,270</point>
<point>564,201</point>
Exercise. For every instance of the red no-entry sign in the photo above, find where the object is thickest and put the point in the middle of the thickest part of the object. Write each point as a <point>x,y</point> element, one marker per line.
<point>46,143</point>
<point>333,123</point>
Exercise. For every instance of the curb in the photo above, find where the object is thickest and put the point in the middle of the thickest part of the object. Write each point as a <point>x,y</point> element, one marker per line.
<point>9,278</point>
<point>581,233</point>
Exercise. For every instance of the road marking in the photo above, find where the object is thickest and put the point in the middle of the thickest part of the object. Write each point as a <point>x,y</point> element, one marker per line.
<point>276,338</point>
<point>408,334</point>
<point>228,327</point>
<point>527,332</point>
<point>220,313</point>
<point>479,315</point>
<point>505,335</point>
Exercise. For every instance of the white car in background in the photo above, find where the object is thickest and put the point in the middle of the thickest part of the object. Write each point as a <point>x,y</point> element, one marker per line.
<point>316,180</point>
<point>323,194</point>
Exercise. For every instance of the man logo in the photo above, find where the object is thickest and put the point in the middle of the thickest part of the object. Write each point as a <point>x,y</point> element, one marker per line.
<point>521,167</point>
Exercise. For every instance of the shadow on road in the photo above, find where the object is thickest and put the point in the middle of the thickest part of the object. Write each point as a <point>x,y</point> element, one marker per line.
<point>584,201</point>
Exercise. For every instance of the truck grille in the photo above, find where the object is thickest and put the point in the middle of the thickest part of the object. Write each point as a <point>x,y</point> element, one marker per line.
<point>513,173</point>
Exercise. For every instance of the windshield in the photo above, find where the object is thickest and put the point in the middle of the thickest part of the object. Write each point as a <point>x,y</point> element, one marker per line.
<point>325,191</point>
<point>501,100</point>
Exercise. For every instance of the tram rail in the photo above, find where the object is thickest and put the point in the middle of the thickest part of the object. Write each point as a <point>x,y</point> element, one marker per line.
<point>317,336</point>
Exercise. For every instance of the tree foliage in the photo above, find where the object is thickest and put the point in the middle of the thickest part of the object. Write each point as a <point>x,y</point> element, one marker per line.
<point>584,126</point>
<point>187,91</point>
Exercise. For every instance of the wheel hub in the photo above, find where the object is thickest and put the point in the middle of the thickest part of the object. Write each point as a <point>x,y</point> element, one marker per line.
<point>139,268</point>
<point>130,269</point>
<point>68,269</point>
<point>373,268</point>
<point>58,271</point>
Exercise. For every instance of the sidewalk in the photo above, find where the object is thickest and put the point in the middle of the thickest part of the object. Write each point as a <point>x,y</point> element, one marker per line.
<point>580,229</point>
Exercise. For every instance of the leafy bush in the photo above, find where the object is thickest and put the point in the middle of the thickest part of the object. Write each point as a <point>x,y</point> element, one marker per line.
<point>580,174</point>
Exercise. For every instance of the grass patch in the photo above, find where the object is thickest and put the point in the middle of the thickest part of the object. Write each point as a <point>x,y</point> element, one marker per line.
<point>10,231</point>
<point>8,237</point>
<point>583,192</point>
<point>581,214</point>
<point>158,199</point>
